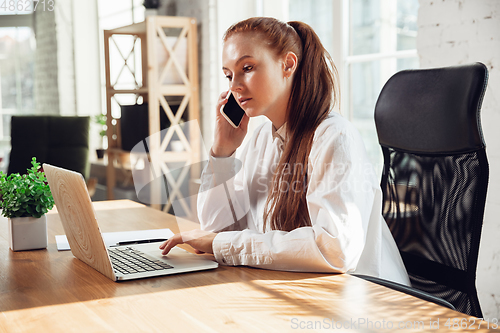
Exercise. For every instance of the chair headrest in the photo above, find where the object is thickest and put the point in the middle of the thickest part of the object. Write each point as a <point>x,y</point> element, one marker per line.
<point>433,110</point>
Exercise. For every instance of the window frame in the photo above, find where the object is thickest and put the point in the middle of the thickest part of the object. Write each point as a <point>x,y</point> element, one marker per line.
<point>13,21</point>
<point>348,60</point>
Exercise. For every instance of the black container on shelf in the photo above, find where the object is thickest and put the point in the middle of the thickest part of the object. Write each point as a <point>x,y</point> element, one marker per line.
<point>134,123</point>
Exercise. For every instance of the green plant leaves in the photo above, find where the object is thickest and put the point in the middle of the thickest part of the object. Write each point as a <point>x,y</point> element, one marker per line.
<point>26,195</point>
<point>100,119</point>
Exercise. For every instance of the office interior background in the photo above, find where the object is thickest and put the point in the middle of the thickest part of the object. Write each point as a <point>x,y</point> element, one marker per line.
<point>52,62</point>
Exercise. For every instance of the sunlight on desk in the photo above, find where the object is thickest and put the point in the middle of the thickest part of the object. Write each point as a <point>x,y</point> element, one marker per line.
<point>247,306</point>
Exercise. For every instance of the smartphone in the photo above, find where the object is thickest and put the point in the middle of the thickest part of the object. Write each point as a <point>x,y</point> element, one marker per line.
<point>232,111</point>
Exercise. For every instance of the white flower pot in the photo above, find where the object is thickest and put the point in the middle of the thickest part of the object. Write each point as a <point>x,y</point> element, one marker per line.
<point>28,233</point>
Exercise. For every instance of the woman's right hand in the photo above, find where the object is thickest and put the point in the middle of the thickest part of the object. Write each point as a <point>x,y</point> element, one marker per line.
<point>227,138</point>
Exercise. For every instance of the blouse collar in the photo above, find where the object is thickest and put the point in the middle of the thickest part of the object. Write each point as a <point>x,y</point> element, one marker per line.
<point>279,133</point>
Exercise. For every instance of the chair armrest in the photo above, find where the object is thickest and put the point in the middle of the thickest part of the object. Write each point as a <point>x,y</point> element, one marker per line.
<point>407,290</point>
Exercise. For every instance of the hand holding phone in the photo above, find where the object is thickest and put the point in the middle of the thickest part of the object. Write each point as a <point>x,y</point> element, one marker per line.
<point>232,111</point>
<point>231,126</point>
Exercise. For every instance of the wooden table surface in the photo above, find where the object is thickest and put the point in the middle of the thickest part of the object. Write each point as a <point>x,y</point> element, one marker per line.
<point>47,290</point>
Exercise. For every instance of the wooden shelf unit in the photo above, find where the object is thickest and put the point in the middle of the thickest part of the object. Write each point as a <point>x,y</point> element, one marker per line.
<point>153,89</point>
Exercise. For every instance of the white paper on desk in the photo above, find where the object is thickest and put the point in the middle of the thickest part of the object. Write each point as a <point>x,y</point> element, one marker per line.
<point>111,238</point>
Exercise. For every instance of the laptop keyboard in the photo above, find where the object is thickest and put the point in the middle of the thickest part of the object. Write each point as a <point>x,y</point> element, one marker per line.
<point>129,260</point>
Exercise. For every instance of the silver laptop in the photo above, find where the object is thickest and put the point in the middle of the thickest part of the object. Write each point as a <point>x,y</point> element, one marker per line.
<point>85,240</point>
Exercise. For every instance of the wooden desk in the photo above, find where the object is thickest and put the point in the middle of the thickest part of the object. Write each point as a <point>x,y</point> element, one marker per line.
<point>47,290</point>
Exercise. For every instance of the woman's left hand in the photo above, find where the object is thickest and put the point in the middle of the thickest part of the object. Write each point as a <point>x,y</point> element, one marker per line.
<point>200,240</point>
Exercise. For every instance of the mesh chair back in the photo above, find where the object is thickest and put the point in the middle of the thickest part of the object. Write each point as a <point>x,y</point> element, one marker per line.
<point>436,176</point>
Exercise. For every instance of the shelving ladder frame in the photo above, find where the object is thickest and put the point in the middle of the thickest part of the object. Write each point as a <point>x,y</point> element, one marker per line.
<point>149,31</point>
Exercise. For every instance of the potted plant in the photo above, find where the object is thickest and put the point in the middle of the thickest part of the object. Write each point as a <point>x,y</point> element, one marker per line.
<point>100,120</point>
<point>24,200</point>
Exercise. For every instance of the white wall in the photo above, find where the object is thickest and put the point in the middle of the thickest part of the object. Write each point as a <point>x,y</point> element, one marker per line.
<point>46,86</point>
<point>88,100</point>
<point>86,57</point>
<point>67,74</point>
<point>65,57</point>
<point>452,32</point>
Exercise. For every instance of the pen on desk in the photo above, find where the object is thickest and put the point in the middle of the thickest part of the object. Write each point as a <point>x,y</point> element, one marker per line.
<point>142,241</point>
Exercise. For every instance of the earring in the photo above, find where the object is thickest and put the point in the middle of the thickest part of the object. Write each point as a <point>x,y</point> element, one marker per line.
<point>287,72</point>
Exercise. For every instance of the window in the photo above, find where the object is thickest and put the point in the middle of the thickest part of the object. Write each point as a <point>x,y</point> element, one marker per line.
<point>381,40</point>
<point>118,13</point>
<point>319,15</point>
<point>114,14</point>
<point>17,51</point>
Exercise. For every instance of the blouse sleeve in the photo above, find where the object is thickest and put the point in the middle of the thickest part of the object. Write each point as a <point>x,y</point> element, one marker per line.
<point>222,202</point>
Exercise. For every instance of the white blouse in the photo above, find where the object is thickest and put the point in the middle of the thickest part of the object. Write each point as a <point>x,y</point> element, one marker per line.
<point>348,232</point>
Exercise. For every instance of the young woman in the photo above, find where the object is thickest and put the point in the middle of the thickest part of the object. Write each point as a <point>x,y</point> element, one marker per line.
<point>304,196</point>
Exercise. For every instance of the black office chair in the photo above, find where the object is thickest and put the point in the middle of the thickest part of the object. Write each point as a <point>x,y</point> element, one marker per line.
<point>435,177</point>
<point>58,140</point>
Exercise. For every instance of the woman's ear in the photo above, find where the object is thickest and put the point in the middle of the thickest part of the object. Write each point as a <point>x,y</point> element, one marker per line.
<point>290,64</point>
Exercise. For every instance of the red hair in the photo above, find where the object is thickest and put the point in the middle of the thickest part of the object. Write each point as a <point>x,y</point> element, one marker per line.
<point>314,93</point>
